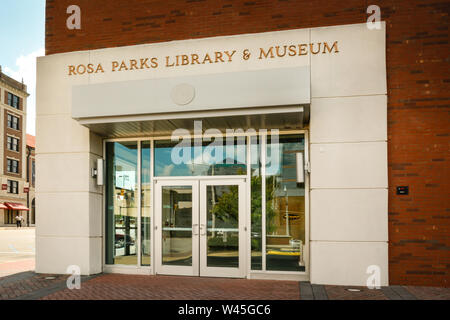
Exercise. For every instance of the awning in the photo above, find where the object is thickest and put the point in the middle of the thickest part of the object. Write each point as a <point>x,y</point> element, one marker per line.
<point>2,206</point>
<point>16,206</point>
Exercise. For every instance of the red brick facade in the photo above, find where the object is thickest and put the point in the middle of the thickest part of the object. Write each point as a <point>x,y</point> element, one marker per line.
<point>418,92</point>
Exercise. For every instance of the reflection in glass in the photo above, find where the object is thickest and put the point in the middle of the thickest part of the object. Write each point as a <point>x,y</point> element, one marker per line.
<point>121,198</point>
<point>184,159</point>
<point>223,226</point>
<point>256,213</point>
<point>145,203</point>
<point>285,206</point>
<point>177,225</point>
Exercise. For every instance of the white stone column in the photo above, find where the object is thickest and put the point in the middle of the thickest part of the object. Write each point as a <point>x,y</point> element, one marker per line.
<point>348,135</point>
<point>68,202</point>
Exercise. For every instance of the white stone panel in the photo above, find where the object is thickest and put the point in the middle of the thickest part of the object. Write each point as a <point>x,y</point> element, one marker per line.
<point>252,42</point>
<point>75,214</point>
<point>349,214</point>
<point>346,263</point>
<point>348,119</point>
<point>61,133</point>
<point>359,68</point>
<point>63,172</point>
<point>95,214</point>
<point>54,86</point>
<point>95,144</point>
<point>349,165</point>
<point>96,255</point>
<point>55,254</point>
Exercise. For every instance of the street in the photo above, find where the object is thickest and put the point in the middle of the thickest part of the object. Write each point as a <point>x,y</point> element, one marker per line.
<point>16,250</point>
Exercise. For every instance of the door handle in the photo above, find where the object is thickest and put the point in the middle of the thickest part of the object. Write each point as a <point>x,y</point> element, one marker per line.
<point>202,226</point>
<point>195,229</point>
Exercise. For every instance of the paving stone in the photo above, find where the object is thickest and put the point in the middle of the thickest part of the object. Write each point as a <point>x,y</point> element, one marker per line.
<point>306,292</point>
<point>391,294</point>
<point>319,292</point>
<point>403,293</point>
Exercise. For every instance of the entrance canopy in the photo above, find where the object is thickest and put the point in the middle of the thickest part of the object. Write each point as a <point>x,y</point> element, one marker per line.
<point>257,99</point>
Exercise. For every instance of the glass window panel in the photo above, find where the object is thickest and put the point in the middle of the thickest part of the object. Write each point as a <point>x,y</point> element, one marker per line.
<point>177,225</point>
<point>121,203</point>
<point>256,194</point>
<point>219,157</point>
<point>285,205</point>
<point>145,204</point>
<point>223,226</point>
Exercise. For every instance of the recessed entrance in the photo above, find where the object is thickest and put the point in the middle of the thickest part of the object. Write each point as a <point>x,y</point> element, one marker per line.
<point>200,227</point>
<point>234,208</point>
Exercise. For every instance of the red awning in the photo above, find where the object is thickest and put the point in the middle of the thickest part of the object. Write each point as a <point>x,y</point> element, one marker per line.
<point>16,206</point>
<point>2,206</point>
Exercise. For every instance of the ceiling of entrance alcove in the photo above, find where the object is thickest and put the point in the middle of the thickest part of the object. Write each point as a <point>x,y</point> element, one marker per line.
<point>120,128</point>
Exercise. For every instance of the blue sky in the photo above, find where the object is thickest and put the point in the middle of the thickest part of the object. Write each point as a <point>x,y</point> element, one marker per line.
<point>22,38</point>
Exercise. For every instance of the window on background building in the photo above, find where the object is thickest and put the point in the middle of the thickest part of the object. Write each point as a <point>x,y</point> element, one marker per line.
<point>121,203</point>
<point>33,172</point>
<point>13,100</point>
<point>13,122</point>
<point>9,217</point>
<point>13,166</point>
<point>13,143</point>
<point>13,186</point>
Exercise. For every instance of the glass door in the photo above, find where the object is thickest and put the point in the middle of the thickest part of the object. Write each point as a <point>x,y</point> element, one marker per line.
<point>222,228</point>
<point>200,227</point>
<point>176,228</point>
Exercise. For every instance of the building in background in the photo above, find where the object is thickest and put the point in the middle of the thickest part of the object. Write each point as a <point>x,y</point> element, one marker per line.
<point>31,177</point>
<point>13,150</point>
<point>363,118</point>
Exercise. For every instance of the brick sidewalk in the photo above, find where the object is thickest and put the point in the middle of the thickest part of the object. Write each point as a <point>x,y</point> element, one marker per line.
<point>29,285</point>
<point>117,286</point>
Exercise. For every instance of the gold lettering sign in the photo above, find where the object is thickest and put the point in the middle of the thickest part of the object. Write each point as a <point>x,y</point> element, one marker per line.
<point>287,51</point>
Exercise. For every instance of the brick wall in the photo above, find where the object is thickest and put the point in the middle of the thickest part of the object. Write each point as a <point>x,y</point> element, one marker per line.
<point>418,92</point>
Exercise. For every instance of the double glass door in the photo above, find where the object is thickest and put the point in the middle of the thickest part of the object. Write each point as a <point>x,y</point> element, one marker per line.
<point>200,227</point>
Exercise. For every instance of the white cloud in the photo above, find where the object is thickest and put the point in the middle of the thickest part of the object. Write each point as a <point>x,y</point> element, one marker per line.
<point>26,69</point>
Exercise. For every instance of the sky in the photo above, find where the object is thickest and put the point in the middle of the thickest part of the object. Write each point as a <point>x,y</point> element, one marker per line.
<point>22,39</point>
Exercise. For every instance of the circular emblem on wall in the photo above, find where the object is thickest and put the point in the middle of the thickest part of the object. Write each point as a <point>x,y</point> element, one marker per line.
<point>183,94</point>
